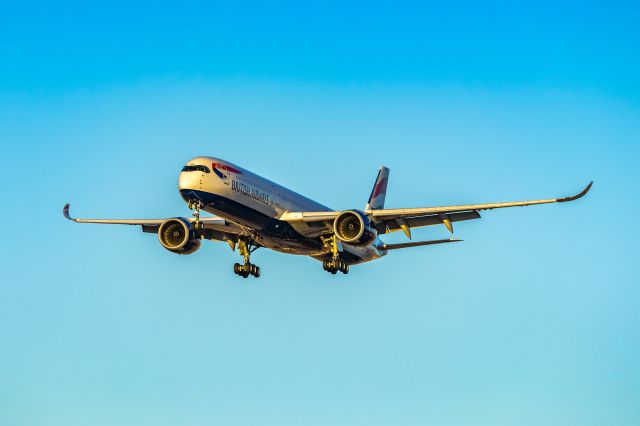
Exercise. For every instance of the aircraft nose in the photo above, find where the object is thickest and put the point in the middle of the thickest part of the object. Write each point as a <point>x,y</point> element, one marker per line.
<point>189,180</point>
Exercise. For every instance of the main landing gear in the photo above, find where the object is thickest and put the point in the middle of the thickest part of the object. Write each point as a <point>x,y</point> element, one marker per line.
<point>247,268</point>
<point>335,264</point>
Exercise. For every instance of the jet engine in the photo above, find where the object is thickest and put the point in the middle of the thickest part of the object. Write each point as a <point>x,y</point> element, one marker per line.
<point>178,236</point>
<point>354,227</point>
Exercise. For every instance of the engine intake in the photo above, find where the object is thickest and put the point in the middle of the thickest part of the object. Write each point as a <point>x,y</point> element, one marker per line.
<point>354,227</point>
<point>177,236</point>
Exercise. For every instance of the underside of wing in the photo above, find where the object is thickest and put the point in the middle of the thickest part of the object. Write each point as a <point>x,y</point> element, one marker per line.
<point>210,226</point>
<point>393,224</point>
<point>470,207</point>
<point>390,220</point>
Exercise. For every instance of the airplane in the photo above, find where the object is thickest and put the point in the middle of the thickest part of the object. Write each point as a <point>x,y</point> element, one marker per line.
<point>250,212</point>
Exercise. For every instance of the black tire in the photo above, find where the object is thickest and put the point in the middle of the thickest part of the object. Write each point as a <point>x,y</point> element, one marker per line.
<point>257,274</point>
<point>236,268</point>
<point>345,270</point>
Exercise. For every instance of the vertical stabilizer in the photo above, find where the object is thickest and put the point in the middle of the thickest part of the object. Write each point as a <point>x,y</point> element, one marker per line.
<point>379,191</point>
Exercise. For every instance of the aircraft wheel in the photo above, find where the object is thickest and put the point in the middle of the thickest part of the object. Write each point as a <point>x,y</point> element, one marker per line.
<point>257,272</point>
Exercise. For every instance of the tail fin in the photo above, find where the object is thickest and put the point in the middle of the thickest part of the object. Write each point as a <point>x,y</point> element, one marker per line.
<point>379,191</point>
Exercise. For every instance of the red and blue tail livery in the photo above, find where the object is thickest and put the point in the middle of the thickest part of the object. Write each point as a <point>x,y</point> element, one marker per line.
<point>379,191</point>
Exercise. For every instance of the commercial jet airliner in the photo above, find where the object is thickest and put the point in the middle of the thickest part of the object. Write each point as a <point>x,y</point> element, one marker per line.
<point>252,212</point>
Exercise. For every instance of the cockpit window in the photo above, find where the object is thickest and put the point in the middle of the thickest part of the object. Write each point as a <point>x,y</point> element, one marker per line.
<point>197,168</point>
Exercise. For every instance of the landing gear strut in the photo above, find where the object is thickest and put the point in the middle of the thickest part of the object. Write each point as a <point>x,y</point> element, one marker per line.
<point>335,264</point>
<point>195,206</point>
<point>247,268</point>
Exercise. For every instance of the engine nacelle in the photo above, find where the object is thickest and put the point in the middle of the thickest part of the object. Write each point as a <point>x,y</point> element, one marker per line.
<point>178,236</point>
<point>354,227</point>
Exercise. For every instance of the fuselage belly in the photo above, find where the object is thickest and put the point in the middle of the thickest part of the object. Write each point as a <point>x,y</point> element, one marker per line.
<point>255,204</point>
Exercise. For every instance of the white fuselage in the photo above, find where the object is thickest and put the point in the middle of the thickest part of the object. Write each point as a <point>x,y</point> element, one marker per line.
<point>256,204</point>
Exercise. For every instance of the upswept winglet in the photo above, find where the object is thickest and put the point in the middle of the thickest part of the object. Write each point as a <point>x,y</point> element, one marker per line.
<point>65,212</point>
<point>575,197</point>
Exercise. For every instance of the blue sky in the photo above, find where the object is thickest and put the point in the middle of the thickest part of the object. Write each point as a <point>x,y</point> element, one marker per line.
<point>532,320</point>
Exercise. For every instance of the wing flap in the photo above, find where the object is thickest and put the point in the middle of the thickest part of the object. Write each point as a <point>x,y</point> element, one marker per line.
<point>437,220</point>
<point>429,220</point>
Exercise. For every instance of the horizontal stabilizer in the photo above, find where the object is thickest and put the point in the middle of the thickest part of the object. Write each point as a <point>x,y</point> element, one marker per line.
<point>417,244</point>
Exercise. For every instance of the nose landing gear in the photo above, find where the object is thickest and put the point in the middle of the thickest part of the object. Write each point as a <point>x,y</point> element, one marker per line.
<point>195,206</point>
<point>247,268</point>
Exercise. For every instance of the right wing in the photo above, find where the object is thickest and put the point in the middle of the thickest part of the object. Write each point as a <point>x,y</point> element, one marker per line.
<point>389,220</point>
<point>212,223</point>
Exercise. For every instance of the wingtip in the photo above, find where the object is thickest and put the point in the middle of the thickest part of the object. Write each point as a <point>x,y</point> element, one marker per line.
<point>65,211</point>
<point>575,197</point>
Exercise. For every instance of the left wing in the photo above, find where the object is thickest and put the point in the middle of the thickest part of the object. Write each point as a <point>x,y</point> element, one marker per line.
<point>470,207</point>
<point>389,220</point>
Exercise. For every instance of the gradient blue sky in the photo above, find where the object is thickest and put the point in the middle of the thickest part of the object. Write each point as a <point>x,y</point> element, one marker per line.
<point>532,320</point>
